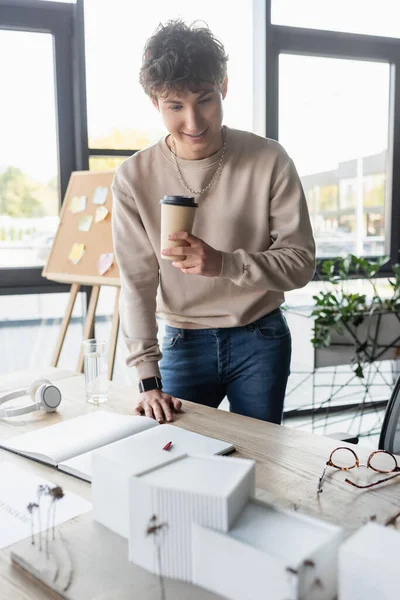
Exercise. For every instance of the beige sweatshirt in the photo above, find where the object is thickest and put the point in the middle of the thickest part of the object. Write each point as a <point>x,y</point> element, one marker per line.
<point>256,214</point>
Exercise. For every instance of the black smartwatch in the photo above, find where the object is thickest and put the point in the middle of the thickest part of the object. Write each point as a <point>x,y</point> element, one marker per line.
<point>150,383</point>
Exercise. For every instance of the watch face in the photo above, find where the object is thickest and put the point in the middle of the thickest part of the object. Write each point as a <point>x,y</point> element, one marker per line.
<point>151,383</point>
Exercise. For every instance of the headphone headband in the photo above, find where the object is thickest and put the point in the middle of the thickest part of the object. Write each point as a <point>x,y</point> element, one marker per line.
<point>15,412</point>
<point>12,395</point>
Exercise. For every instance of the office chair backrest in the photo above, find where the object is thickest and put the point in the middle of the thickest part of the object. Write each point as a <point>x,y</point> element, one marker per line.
<point>390,434</point>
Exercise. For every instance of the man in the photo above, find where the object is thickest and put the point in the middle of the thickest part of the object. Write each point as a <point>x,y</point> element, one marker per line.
<point>251,242</point>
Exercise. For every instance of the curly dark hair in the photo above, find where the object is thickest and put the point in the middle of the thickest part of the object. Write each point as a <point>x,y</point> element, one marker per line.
<point>179,56</point>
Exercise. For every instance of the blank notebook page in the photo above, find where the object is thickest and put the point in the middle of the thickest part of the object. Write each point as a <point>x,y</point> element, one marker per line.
<point>78,435</point>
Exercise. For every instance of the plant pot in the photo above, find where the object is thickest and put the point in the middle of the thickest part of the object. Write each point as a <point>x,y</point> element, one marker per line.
<point>381,332</point>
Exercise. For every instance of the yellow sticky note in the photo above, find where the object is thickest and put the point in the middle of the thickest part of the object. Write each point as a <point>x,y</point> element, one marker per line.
<point>77,204</point>
<point>85,222</point>
<point>101,214</point>
<point>77,251</point>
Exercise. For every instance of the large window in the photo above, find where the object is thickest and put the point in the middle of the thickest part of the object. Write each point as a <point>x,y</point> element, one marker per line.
<point>39,135</point>
<point>316,77</point>
<point>120,115</point>
<point>29,198</point>
<point>353,16</point>
<point>334,122</point>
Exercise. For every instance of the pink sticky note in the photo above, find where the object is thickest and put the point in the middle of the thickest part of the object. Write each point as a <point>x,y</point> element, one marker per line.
<point>105,262</point>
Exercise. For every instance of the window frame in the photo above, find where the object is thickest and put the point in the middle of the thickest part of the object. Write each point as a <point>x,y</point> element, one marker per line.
<point>259,29</point>
<point>65,21</point>
<point>353,46</point>
<point>58,19</point>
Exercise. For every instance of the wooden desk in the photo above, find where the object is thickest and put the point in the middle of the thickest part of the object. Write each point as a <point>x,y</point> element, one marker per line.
<point>288,465</point>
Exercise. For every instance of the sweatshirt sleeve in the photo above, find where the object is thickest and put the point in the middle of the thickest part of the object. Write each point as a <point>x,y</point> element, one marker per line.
<point>289,262</point>
<point>139,273</point>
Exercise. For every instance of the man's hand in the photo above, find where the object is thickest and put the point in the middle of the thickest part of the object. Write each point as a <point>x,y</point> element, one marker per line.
<point>157,405</point>
<point>198,258</point>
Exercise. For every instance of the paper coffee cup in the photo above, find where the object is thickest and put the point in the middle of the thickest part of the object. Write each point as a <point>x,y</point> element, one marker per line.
<point>177,214</point>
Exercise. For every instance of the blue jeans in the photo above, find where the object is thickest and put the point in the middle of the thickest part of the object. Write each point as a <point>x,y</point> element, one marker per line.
<point>249,364</point>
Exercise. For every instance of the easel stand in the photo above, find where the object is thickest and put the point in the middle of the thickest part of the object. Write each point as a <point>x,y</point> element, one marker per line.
<point>95,241</point>
<point>88,329</point>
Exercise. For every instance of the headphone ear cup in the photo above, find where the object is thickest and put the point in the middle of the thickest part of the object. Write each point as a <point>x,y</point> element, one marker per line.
<point>34,387</point>
<point>39,394</point>
<point>47,397</point>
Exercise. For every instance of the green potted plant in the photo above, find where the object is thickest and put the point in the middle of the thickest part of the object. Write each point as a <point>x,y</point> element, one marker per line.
<point>354,327</point>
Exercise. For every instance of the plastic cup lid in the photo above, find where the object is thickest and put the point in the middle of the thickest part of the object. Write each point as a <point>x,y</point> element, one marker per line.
<point>179,201</point>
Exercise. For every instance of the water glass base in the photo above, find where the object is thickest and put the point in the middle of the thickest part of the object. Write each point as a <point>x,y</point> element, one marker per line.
<point>97,398</point>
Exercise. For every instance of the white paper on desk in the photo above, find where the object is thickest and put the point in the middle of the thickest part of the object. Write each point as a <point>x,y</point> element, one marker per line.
<point>56,443</point>
<point>17,489</point>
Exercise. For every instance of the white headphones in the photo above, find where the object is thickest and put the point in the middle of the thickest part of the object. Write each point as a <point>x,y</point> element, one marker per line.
<point>44,395</point>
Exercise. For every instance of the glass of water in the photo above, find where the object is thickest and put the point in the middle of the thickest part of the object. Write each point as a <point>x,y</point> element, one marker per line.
<point>95,369</point>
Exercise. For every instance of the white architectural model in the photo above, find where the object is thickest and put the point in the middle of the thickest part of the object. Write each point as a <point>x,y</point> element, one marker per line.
<point>369,564</point>
<point>113,465</point>
<point>268,553</point>
<point>195,518</point>
<point>210,491</point>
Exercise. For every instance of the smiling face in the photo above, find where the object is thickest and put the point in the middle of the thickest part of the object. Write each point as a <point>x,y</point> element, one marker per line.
<point>194,119</point>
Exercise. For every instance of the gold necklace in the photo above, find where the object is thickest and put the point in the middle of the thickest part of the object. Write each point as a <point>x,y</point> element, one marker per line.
<point>213,178</point>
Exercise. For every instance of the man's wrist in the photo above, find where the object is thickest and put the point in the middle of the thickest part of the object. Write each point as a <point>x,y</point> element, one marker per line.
<point>147,368</point>
<point>150,383</point>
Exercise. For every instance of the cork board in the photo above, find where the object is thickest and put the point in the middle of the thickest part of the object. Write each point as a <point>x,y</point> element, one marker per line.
<point>80,241</point>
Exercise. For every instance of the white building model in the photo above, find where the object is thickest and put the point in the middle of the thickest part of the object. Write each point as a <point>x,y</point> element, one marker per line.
<point>210,491</point>
<point>195,518</point>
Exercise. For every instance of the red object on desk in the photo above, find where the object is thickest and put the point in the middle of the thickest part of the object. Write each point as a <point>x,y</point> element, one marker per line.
<point>167,446</point>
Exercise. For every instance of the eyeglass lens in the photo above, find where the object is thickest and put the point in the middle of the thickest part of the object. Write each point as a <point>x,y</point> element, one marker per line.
<point>383,462</point>
<point>343,458</point>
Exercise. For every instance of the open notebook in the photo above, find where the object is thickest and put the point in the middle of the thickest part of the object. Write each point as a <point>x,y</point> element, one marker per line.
<point>69,445</point>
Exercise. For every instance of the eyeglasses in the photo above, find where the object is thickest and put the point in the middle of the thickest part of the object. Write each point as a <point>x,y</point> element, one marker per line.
<point>344,459</point>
